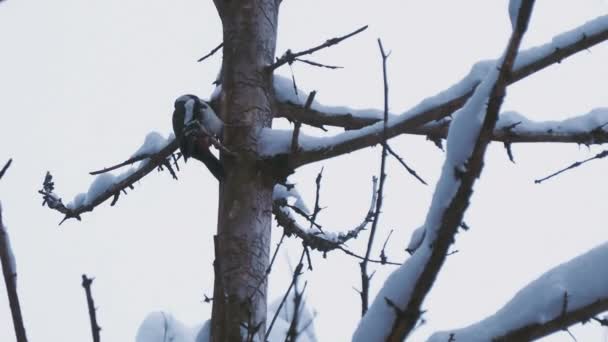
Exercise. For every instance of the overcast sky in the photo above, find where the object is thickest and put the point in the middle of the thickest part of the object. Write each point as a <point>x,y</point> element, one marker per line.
<point>82,83</point>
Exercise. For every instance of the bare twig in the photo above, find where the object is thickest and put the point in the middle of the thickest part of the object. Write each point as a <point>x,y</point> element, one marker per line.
<point>318,64</point>
<point>5,167</point>
<point>572,166</point>
<point>402,162</point>
<point>374,261</point>
<point>451,217</point>
<point>365,278</point>
<point>289,57</point>
<point>10,279</point>
<point>383,257</point>
<point>129,161</point>
<point>298,297</point>
<point>211,53</point>
<point>296,274</point>
<point>317,208</point>
<point>298,124</point>
<point>95,329</point>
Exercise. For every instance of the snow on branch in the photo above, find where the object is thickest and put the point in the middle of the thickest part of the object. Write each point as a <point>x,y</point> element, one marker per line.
<point>512,127</point>
<point>397,307</point>
<point>156,152</point>
<point>312,237</point>
<point>570,293</point>
<point>367,122</point>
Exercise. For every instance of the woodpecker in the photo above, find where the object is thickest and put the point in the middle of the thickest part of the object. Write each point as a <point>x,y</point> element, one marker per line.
<point>194,121</point>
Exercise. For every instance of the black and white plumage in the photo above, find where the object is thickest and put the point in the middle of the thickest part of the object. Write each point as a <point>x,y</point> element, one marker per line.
<point>194,122</point>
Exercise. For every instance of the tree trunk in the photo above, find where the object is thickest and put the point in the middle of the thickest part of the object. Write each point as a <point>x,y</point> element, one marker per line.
<point>244,218</point>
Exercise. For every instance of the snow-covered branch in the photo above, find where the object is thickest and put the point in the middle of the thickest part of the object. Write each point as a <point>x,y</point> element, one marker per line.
<point>429,110</point>
<point>570,293</point>
<point>157,152</point>
<point>9,271</point>
<point>512,127</point>
<point>312,237</point>
<point>396,308</point>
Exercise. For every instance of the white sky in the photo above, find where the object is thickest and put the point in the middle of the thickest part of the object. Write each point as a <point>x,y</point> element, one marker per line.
<point>83,82</point>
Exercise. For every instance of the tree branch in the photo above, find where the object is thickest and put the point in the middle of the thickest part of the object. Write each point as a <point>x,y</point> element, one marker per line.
<point>570,293</point>
<point>9,271</point>
<point>437,107</point>
<point>115,186</point>
<point>315,239</point>
<point>467,143</point>
<point>95,329</point>
<point>365,278</point>
<point>466,174</point>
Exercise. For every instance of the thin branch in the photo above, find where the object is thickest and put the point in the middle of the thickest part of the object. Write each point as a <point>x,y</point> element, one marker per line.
<point>5,167</point>
<point>573,166</point>
<point>211,53</point>
<point>319,240</point>
<point>318,64</point>
<point>365,278</point>
<point>383,257</point>
<point>289,57</point>
<point>402,162</point>
<point>317,208</point>
<point>449,219</point>
<point>95,329</point>
<point>298,124</point>
<point>374,261</point>
<point>129,161</point>
<point>296,273</point>
<point>292,332</point>
<point>7,259</point>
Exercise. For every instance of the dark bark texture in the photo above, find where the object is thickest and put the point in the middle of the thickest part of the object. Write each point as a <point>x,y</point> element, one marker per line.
<point>244,217</point>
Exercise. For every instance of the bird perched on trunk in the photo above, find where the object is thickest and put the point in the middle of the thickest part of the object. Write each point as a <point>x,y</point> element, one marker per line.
<point>195,124</point>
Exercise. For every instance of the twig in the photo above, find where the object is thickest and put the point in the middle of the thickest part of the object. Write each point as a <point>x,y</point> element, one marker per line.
<point>409,169</point>
<point>365,278</point>
<point>572,166</point>
<point>125,163</point>
<point>269,268</point>
<point>10,279</point>
<point>382,252</point>
<point>95,329</point>
<point>290,57</point>
<point>292,332</point>
<point>318,64</point>
<point>5,167</point>
<point>373,261</point>
<point>296,273</point>
<point>211,53</point>
<point>317,209</point>
<point>298,124</point>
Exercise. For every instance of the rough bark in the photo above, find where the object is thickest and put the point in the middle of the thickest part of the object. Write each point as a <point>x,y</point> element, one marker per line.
<point>244,217</point>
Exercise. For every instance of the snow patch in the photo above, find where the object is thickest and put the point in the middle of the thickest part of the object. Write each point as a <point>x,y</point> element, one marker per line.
<point>153,143</point>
